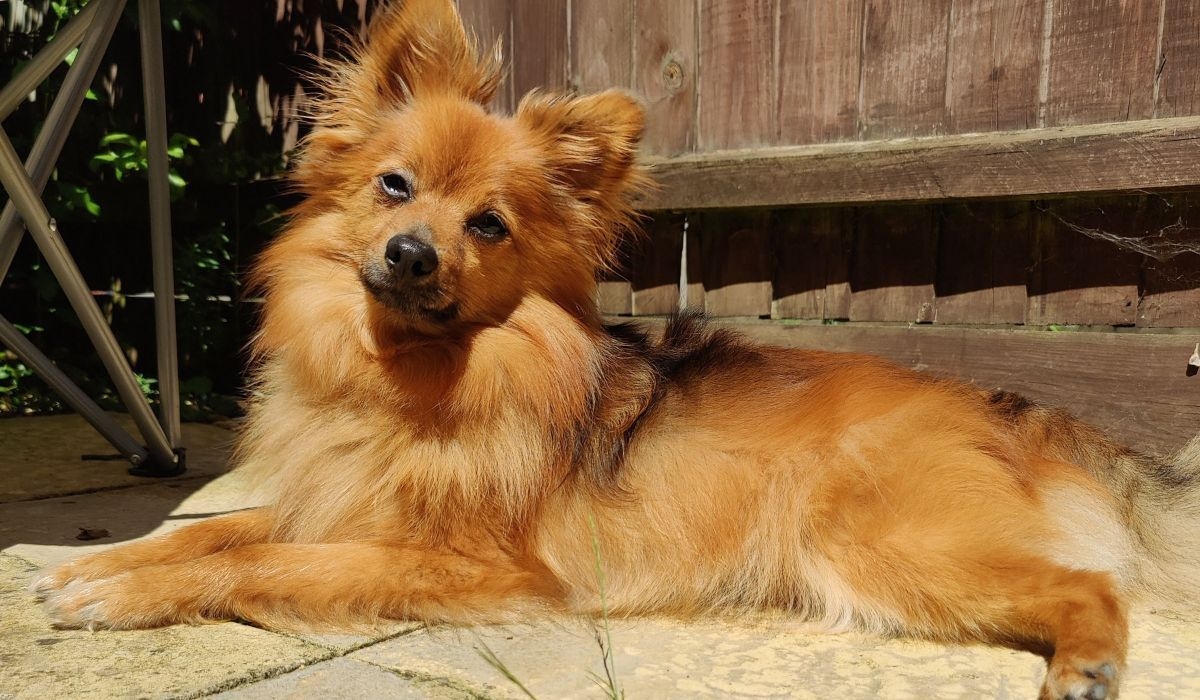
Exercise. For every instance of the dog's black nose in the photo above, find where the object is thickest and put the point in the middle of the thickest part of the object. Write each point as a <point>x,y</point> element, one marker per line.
<point>410,258</point>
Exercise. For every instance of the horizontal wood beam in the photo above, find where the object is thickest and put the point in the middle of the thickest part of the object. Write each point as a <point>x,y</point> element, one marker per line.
<point>1136,386</point>
<point>1149,155</point>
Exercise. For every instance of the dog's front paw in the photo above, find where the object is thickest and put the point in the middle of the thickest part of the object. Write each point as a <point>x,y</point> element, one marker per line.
<point>93,567</point>
<point>126,601</point>
<point>74,603</point>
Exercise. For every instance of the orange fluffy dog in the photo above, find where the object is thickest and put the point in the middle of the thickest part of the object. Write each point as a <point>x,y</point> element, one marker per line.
<point>441,414</point>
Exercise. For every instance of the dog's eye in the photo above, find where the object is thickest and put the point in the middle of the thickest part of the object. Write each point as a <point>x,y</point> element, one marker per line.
<point>395,186</point>
<point>488,226</point>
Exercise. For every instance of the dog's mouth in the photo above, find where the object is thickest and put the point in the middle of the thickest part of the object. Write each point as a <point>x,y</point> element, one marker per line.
<point>425,300</point>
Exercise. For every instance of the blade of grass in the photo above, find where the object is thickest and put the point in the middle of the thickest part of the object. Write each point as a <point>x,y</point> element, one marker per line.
<point>494,661</point>
<point>606,647</point>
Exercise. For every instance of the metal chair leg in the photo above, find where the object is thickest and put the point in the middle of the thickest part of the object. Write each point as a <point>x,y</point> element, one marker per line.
<point>91,30</point>
<point>45,234</point>
<point>149,23</point>
<point>80,402</point>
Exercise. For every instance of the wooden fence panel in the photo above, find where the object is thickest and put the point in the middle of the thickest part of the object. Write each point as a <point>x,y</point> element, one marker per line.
<point>904,68</point>
<point>601,45</point>
<point>995,56</point>
<point>491,21</point>
<point>820,65</point>
<point>735,262</point>
<point>737,74</point>
<point>812,252</point>
<point>656,266</point>
<point>1170,286</point>
<point>1177,74</point>
<point>665,73</point>
<point>893,265</point>
<point>1102,61</point>
<point>539,39</point>
<point>1081,279</point>
<point>984,259</point>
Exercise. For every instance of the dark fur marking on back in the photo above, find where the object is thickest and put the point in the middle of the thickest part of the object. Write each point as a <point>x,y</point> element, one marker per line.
<point>1009,404</point>
<point>689,349</point>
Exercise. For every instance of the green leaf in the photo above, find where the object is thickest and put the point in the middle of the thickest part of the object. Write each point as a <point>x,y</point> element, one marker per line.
<point>101,159</point>
<point>118,137</point>
<point>176,180</point>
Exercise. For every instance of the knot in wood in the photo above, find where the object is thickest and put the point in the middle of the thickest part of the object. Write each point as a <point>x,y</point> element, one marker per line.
<point>672,75</point>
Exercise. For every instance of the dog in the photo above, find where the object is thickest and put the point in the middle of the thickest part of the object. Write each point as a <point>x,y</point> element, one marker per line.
<point>447,427</point>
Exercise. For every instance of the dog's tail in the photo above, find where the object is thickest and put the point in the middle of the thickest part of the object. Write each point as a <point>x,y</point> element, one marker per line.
<point>1164,517</point>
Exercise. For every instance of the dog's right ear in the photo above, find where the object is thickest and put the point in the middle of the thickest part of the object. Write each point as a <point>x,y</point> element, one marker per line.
<point>412,49</point>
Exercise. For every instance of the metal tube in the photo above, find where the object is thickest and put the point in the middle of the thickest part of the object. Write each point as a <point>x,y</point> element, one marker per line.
<point>75,398</point>
<point>154,87</point>
<point>47,59</point>
<point>45,234</point>
<point>50,140</point>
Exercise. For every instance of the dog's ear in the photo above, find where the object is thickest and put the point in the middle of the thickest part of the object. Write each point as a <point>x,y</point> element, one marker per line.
<point>421,47</point>
<point>412,48</point>
<point>590,142</point>
<point>590,146</point>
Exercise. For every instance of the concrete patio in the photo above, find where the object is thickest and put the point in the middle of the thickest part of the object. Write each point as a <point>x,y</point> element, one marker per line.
<point>47,493</point>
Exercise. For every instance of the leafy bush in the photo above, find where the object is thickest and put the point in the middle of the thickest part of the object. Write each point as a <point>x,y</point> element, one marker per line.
<point>225,190</point>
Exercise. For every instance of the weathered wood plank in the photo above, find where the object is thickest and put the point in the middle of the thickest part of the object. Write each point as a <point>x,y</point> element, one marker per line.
<point>665,73</point>
<point>693,263</point>
<point>1170,289</point>
<point>1146,155</point>
<point>601,44</point>
<point>893,266</point>
<point>656,266</point>
<point>737,74</point>
<point>994,65</point>
<point>904,68</point>
<point>811,255</point>
<point>1133,385</point>
<point>614,293</point>
<point>1177,74</point>
<point>1102,61</point>
<point>820,64</point>
<point>735,261</point>
<point>539,57</point>
<point>984,256</point>
<point>491,21</point>
<point>1081,276</point>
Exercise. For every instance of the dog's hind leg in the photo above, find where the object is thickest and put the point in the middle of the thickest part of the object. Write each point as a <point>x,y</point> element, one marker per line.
<point>1074,617</point>
<point>187,543</point>
<point>306,586</point>
<point>1079,617</point>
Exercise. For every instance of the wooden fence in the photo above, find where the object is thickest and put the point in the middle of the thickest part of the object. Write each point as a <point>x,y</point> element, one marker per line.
<point>1004,190</point>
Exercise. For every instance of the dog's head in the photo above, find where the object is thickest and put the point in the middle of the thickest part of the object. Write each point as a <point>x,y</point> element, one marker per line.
<point>447,213</point>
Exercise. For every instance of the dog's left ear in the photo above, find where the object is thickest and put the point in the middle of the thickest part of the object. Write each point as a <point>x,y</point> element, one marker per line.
<point>590,142</point>
<point>414,48</point>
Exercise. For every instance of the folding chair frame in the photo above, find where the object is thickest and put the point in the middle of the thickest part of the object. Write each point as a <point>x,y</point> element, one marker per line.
<point>90,31</point>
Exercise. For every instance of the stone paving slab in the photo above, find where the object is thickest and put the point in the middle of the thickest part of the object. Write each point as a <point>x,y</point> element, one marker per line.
<point>347,679</point>
<point>37,662</point>
<point>40,456</point>
<point>44,531</point>
<point>766,659</point>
